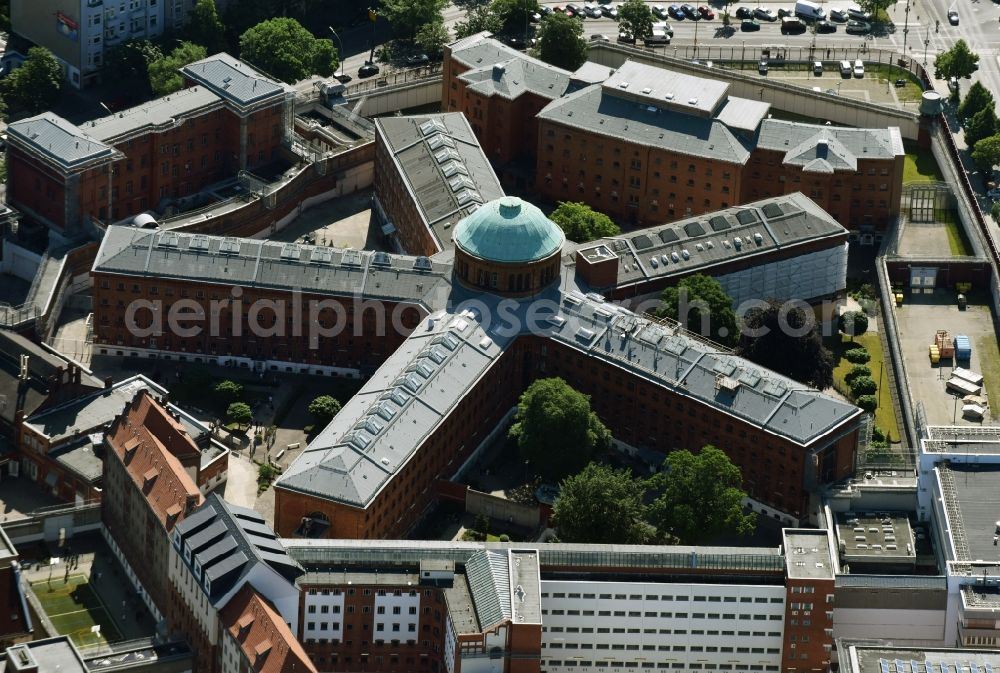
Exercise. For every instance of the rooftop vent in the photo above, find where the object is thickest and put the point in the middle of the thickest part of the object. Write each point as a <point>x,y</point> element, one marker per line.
<point>692,101</point>
<point>668,96</point>
<point>647,90</point>
<point>623,85</point>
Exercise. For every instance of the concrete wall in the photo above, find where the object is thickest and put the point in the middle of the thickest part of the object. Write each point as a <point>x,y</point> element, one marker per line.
<point>61,523</point>
<point>502,509</point>
<point>399,97</point>
<point>18,261</point>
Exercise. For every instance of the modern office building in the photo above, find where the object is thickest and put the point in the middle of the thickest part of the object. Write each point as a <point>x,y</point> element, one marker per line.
<point>230,118</point>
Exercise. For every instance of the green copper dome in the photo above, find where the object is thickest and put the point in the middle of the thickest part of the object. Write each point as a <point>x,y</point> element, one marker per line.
<point>509,230</point>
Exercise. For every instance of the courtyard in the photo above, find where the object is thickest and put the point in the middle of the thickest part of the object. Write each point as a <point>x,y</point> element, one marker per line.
<point>918,319</point>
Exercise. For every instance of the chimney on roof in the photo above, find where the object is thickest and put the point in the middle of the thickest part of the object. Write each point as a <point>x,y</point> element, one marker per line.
<point>498,70</point>
<point>108,382</point>
<point>822,147</point>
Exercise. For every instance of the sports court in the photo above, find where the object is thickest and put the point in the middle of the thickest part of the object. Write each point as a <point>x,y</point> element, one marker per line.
<point>74,608</point>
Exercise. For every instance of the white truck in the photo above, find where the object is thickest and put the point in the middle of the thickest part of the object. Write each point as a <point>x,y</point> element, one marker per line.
<point>809,11</point>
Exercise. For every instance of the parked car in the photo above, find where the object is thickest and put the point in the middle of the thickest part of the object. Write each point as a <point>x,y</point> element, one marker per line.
<point>856,13</point>
<point>838,15</point>
<point>690,11</point>
<point>664,27</point>
<point>610,11</point>
<point>744,13</point>
<point>675,11</point>
<point>706,12</point>
<point>859,68</point>
<point>574,10</point>
<point>784,11</point>
<point>826,27</point>
<point>414,60</point>
<point>593,11</point>
<point>599,38</point>
<point>858,27</point>
<point>367,70</point>
<point>659,11</point>
<point>625,38</point>
<point>765,14</point>
<point>544,10</point>
<point>749,25</point>
<point>953,17</point>
<point>817,68</point>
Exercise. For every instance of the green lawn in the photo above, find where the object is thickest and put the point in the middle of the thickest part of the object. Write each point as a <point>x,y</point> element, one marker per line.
<point>957,243</point>
<point>73,608</point>
<point>890,73</point>
<point>885,417</point>
<point>989,363</point>
<point>920,165</point>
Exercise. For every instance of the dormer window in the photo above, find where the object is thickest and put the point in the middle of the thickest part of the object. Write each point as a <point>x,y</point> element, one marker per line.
<point>208,585</point>
<point>187,554</point>
<point>177,539</point>
<point>197,570</point>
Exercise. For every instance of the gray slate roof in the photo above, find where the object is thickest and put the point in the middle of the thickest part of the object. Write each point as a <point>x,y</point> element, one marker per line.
<point>227,542</point>
<point>824,149</point>
<point>972,500</point>
<point>702,242</point>
<point>596,110</point>
<point>510,79</point>
<point>668,89</point>
<point>59,141</point>
<point>443,168</point>
<point>379,429</point>
<point>92,412</point>
<point>479,50</point>
<point>254,263</point>
<point>157,114</point>
<point>234,80</point>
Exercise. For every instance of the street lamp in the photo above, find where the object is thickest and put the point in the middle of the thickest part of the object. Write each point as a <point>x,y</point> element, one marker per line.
<point>341,46</point>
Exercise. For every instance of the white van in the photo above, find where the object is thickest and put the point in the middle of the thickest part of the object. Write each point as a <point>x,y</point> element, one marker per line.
<point>859,68</point>
<point>845,68</point>
<point>817,67</point>
<point>809,11</point>
<point>656,38</point>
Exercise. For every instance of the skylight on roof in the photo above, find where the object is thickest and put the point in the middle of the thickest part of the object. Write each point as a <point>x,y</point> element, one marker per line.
<point>386,411</point>
<point>399,397</point>
<point>453,168</point>
<point>229,246</point>
<point>290,251</point>
<point>468,196</point>
<point>412,382</point>
<point>198,242</point>
<point>432,126</point>
<point>447,154</point>
<point>439,141</point>
<point>425,370</point>
<point>437,354</point>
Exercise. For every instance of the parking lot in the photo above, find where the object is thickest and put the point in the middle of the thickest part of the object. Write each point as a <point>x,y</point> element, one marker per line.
<point>918,319</point>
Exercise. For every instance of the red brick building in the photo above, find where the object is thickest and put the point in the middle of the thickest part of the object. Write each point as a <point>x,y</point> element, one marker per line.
<point>647,145</point>
<point>149,157</point>
<point>147,491</point>
<point>256,638</point>
<point>501,91</point>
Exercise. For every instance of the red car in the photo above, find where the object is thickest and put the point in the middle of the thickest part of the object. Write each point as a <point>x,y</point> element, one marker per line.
<point>706,12</point>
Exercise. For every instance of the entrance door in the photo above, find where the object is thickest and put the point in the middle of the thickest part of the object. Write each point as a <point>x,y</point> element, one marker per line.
<point>923,279</point>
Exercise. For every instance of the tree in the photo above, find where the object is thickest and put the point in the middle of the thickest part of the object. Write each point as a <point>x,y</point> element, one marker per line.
<point>959,61</point>
<point>406,16</point>
<point>432,37</point>
<point>205,28</point>
<point>867,402</point>
<point>560,41</point>
<point>324,408</point>
<point>128,63</point>
<point>986,152</point>
<point>863,385</point>
<point>555,429</point>
<point>601,505</point>
<point>581,223</point>
<point>478,19</point>
<point>858,356</point>
<point>164,73</point>
<point>700,496</point>
<point>230,390</point>
<point>876,8</point>
<point>699,304</point>
<point>284,49</point>
<point>976,98</point>
<point>635,19</point>
<point>786,341</point>
<point>35,86</point>
<point>239,413</point>
<point>854,323</point>
<point>858,371</point>
<point>981,125</point>
<point>514,15</point>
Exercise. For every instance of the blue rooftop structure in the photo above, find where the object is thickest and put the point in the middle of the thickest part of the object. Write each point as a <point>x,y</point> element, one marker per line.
<point>509,230</point>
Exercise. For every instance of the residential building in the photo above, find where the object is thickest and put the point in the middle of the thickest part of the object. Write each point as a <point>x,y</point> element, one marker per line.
<point>430,172</point>
<point>150,157</point>
<point>147,492</point>
<point>82,32</point>
<point>217,550</point>
<point>256,638</point>
<point>15,618</point>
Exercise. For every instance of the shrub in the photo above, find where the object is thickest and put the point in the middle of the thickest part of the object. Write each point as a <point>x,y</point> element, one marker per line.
<point>858,356</point>
<point>505,538</point>
<point>230,390</point>
<point>868,403</point>
<point>856,371</point>
<point>863,385</point>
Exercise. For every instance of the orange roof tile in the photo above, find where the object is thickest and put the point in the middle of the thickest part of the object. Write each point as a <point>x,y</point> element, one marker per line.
<point>140,437</point>
<point>263,636</point>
